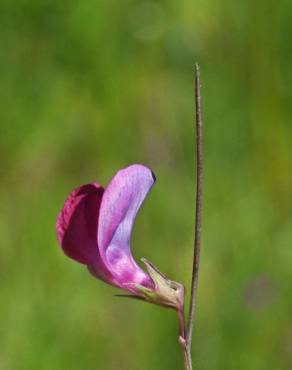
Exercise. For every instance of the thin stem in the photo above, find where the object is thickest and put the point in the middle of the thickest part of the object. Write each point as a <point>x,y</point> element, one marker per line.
<point>187,358</point>
<point>197,241</point>
<point>186,334</point>
<point>182,340</point>
<point>182,326</point>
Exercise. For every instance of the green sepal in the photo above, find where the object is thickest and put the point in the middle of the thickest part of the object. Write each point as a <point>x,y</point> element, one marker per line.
<point>166,292</point>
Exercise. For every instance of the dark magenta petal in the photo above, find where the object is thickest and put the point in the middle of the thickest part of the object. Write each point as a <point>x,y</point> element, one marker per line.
<point>77,226</point>
<point>78,221</point>
<point>119,206</point>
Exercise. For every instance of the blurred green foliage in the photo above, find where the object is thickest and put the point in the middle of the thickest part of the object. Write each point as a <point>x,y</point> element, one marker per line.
<point>87,87</point>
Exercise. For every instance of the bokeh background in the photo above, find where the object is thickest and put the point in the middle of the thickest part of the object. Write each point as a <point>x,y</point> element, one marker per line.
<point>88,87</point>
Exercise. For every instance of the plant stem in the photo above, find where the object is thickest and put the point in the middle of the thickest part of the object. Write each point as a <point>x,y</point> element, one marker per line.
<point>186,334</point>
<point>187,359</point>
<point>182,340</point>
<point>198,219</point>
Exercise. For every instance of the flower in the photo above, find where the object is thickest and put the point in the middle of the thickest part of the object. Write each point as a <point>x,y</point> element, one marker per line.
<point>94,228</point>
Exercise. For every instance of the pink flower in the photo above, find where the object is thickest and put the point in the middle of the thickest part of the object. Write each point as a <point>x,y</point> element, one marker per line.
<point>94,228</point>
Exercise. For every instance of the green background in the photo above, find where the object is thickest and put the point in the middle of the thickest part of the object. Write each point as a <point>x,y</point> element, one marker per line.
<point>88,87</point>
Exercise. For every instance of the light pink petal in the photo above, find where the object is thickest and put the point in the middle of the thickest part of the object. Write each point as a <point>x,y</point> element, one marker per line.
<point>119,206</point>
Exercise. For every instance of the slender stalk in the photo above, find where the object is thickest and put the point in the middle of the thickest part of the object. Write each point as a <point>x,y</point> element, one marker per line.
<point>186,334</point>
<point>198,217</point>
<point>182,339</point>
<point>187,358</point>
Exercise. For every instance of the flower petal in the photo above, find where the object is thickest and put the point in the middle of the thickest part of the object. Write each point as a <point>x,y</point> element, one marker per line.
<point>119,206</point>
<point>78,221</point>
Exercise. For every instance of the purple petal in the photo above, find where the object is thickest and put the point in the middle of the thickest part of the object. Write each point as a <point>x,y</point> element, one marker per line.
<point>119,206</point>
<point>77,226</point>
